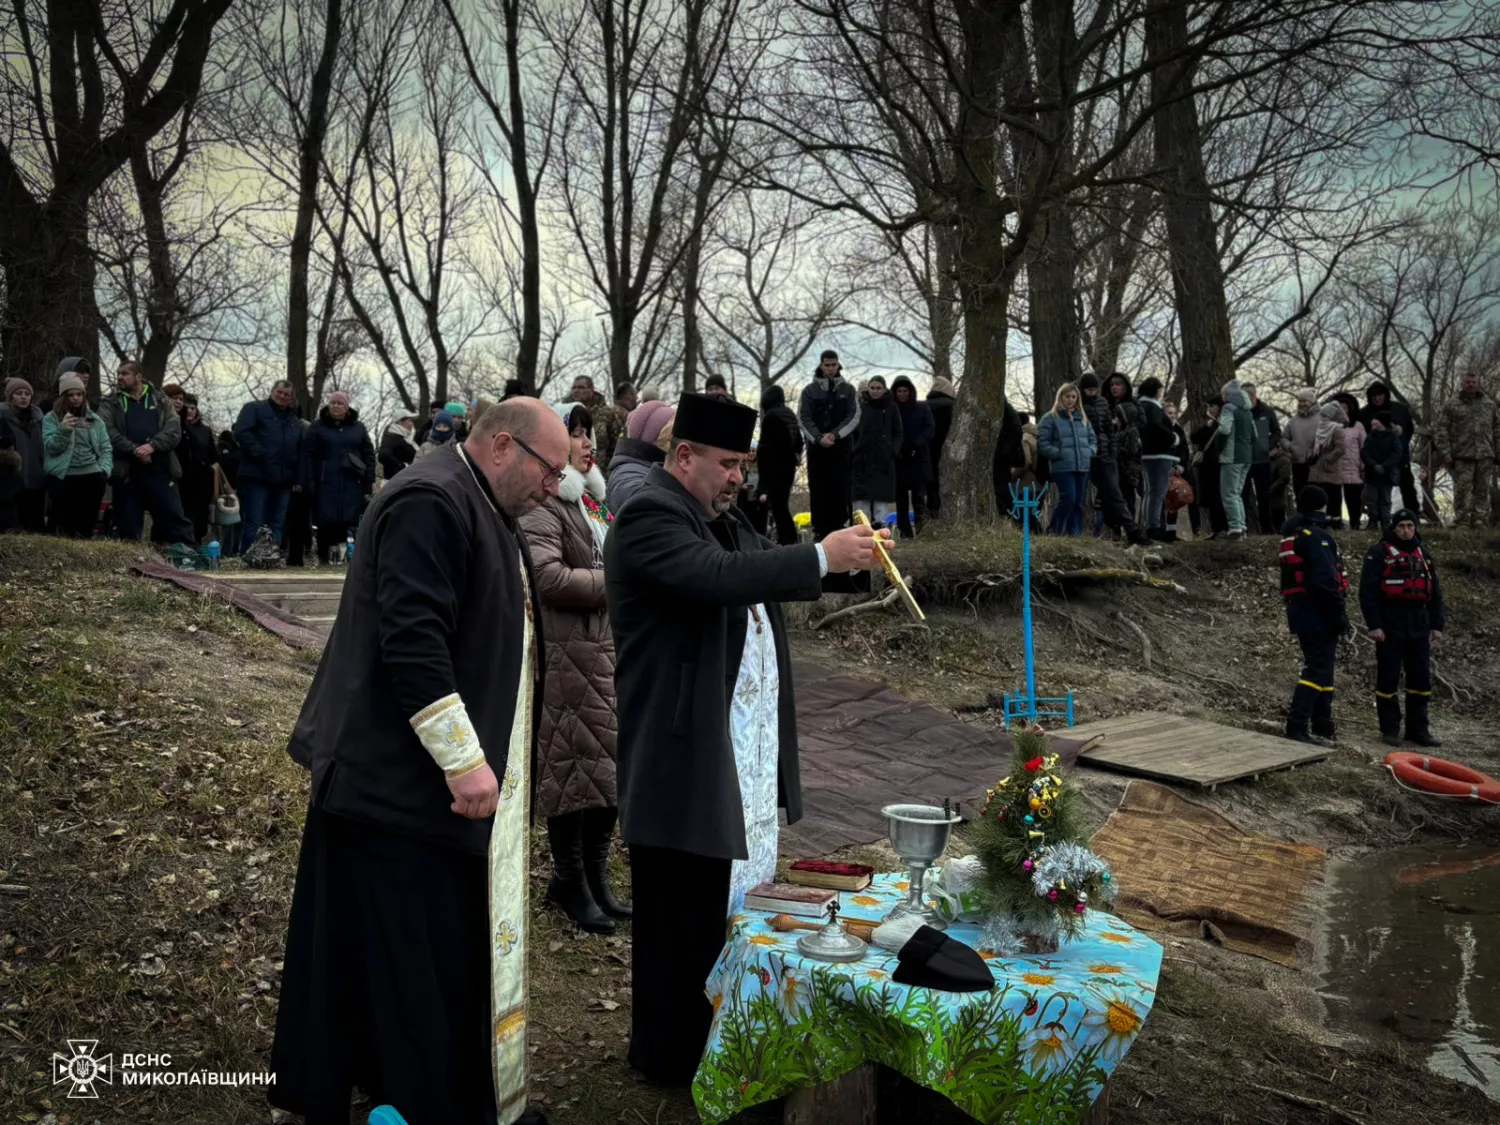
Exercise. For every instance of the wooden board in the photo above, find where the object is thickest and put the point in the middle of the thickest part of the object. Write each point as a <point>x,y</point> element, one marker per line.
<point>1174,748</point>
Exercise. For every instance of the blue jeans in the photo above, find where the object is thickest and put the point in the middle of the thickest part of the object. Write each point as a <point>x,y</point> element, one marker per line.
<point>262,505</point>
<point>1067,517</point>
<point>1158,476</point>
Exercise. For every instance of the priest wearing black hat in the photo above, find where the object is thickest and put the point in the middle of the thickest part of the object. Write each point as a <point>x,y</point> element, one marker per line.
<point>707,724</point>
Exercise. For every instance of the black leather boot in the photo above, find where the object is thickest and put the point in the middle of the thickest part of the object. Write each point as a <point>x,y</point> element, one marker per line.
<point>598,830</point>
<point>1417,729</point>
<point>569,888</point>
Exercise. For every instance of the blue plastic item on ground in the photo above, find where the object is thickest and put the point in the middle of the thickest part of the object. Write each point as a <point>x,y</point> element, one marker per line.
<point>386,1115</point>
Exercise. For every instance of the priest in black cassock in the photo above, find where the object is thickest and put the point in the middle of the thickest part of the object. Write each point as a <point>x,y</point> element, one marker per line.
<point>707,723</point>
<point>406,951</point>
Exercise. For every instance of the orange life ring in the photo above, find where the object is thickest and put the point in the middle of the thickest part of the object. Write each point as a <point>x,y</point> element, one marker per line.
<point>1447,779</point>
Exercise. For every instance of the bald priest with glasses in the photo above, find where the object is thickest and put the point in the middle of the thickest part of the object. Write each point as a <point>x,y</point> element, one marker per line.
<point>406,949</point>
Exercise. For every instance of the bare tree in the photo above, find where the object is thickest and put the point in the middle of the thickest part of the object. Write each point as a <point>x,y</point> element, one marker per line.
<point>773,290</point>
<point>312,130</point>
<point>410,197</point>
<point>633,75</point>
<point>88,82</point>
<point>523,117</point>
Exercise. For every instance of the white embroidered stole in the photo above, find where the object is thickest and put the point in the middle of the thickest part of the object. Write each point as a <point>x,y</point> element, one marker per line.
<point>510,846</point>
<point>753,719</point>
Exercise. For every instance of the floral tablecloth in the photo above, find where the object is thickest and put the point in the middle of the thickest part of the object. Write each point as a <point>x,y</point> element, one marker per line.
<point>1036,1049</point>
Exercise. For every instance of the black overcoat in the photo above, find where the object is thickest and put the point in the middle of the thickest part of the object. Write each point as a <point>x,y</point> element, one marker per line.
<point>876,443</point>
<point>433,604</point>
<point>679,586</point>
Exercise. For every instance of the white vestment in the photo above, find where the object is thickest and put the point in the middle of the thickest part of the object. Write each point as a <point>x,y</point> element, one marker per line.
<point>753,734</point>
<point>510,848</point>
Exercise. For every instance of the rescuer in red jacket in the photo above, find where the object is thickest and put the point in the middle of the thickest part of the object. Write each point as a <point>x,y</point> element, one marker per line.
<point>1403,607</point>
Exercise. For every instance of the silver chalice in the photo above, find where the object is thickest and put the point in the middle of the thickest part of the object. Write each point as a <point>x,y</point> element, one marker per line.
<point>918,834</point>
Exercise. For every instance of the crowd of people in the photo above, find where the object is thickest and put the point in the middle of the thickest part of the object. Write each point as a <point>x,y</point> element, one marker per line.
<point>1236,474</point>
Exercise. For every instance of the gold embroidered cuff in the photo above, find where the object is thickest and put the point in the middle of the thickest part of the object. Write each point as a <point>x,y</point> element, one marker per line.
<point>448,736</point>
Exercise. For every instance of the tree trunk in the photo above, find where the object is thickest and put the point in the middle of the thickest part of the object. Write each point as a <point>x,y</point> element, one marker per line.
<point>1054,312</point>
<point>529,346</point>
<point>50,311</point>
<point>1042,158</point>
<point>309,165</point>
<point>1192,238</point>
<point>1124,249</point>
<point>622,327</point>
<point>969,452</point>
<point>692,335</point>
<point>942,309</point>
<point>161,292</point>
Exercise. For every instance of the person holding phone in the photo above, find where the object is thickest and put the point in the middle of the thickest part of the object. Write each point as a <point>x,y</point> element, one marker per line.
<point>78,460</point>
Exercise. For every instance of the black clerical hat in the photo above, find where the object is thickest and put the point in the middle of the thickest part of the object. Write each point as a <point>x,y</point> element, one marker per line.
<point>932,959</point>
<point>717,421</point>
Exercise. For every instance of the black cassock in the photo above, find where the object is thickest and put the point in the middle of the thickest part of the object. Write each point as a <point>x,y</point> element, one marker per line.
<point>679,586</point>
<point>386,981</point>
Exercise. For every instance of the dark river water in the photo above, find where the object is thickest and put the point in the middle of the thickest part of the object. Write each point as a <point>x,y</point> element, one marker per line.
<point>1412,951</point>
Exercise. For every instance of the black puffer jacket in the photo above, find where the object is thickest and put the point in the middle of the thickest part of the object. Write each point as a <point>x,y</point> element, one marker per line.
<point>1128,411</point>
<point>914,459</point>
<point>397,450</point>
<point>876,443</point>
<point>780,447</point>
<point>1101,416</point>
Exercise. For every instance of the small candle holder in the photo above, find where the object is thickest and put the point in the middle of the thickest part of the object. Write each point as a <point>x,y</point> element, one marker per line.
<point>832,942</point>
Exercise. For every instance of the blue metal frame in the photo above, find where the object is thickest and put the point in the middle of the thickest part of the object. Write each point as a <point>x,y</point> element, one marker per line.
<point>1026,705</point>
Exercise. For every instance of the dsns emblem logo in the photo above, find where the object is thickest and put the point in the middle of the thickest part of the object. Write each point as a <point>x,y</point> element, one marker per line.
<point>82,1068</point>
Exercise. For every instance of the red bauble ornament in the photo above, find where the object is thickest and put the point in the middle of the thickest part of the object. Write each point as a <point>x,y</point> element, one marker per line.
<point>1034,765</point>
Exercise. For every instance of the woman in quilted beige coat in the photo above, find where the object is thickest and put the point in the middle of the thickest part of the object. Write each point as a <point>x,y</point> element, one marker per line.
<point>575,787</point>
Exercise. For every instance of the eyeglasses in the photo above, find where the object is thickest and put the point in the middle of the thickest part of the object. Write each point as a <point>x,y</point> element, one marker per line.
<point>554,474</point>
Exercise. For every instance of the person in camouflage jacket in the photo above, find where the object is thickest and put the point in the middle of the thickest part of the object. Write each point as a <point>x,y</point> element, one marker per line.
<point>1468,440</point>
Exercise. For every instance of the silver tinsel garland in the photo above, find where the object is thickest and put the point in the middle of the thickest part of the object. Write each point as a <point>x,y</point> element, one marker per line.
<point>1065,863</point>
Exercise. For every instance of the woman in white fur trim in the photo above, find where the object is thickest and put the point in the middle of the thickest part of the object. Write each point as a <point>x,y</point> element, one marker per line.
<point>576,754</point>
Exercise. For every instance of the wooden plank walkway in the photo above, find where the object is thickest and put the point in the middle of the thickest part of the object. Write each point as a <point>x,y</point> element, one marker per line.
<point>1174,748</point>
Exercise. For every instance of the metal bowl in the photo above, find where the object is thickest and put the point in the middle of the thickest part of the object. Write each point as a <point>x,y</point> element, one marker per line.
<point>919,833</point>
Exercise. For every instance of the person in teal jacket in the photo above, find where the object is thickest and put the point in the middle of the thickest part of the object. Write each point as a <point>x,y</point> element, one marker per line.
<point>1236,446</point>
<point>78,459</point>
<point>1069,443</point>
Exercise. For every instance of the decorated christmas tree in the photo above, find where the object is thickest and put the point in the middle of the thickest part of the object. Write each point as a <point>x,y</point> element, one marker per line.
<point>1039,877</point>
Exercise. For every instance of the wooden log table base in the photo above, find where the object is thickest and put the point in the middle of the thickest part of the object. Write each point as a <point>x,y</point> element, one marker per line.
<point>850,1100</point>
